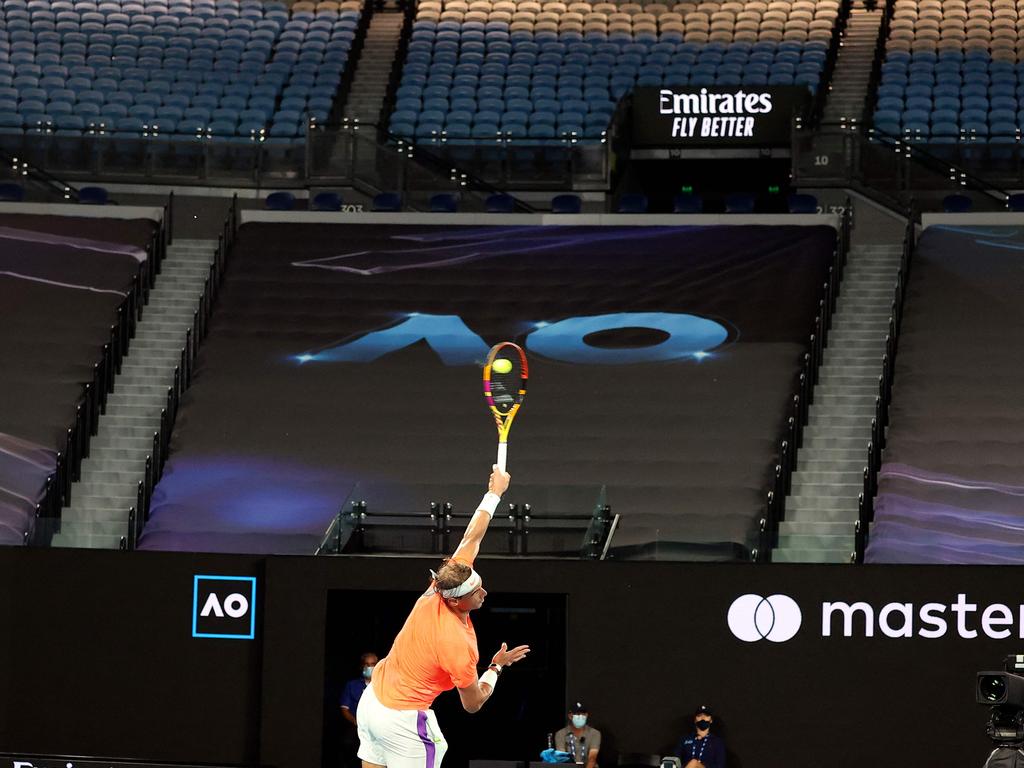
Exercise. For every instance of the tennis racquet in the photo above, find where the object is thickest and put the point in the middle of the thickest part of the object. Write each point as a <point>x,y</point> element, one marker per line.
<point>505,391</point>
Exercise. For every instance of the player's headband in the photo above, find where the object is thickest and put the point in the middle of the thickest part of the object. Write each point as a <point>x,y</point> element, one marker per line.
<point>471,584</point>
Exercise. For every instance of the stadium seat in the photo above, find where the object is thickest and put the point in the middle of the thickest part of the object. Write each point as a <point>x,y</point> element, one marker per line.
<point>11,193</point>
<point>1015,202</point>
<point>740,202</point>
<point>280,201</point>
<point>632,202</point>
<point>387,202</point>
<point>444,202</point>
<point>326,201</point>
<point>957,204</point>
<point>500,203</point>
<point>686,202</point>
<point>801,203</point>
<point>566,204</point>
<point>93,196</point>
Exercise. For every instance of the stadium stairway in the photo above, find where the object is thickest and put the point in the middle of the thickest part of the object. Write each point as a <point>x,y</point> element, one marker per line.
<point>821,510</point>
<point>848,92</point>
<point>373,69</point>
<point>108,487</point>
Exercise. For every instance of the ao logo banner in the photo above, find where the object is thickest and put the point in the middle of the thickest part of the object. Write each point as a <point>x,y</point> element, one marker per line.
<point>224,607</point>
<point>722,116</point>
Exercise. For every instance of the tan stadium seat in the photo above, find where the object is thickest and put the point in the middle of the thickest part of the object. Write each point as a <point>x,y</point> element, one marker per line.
<point>745,36</point>
<point>695,36</point>
<point>521,26</point>
<point>475,16</point>
<point>801,15</point>
<point>772,26</point>
<point>429,15</point>
<point>770,35</point>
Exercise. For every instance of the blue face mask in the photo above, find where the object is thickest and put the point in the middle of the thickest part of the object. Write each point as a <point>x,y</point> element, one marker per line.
<point>579,720</point>
<point>367,672</point>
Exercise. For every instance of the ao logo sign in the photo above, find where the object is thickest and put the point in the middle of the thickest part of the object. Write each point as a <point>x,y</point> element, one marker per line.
<point>686,336</point>
<point>224,607</point>
<point>776,618</point>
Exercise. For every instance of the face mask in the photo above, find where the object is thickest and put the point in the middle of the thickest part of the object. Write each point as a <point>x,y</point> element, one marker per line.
<point>703,725</point>
<point>579,720</point>
<point>367,672</point>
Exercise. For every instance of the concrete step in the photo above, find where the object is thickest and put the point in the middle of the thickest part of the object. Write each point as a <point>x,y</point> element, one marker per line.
<point>85,515</point>
<point>817,541</point>
<point>811,556</point>
<point>125,495</point>
<point>79,541</point>
<point>830,510</point>
<point>820,491</point>
<point>860,435</point>
<point>790,528</point>
<point>135,459</point>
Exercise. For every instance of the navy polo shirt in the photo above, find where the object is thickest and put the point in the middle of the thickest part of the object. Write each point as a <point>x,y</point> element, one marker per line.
<point>710,750</point>
<point>352,693</point>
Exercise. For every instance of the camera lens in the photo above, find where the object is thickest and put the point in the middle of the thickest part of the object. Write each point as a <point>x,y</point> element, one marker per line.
<point>992,688</point>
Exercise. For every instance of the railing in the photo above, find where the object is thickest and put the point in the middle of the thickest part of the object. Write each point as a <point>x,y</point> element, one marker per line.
<point>880,421</point>
<point>821,94</point>
<point>792,436</point>
<point>93,402</point>
<point>365,156</point>
<point>138,515</point>
<point>876,62</point>
<point>21,170</point>
<point>543,529</point>
<point>893,170</point>
<point>568,162</point>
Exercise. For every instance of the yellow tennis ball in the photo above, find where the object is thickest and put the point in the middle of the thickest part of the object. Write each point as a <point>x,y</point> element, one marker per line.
<point>501,365</point>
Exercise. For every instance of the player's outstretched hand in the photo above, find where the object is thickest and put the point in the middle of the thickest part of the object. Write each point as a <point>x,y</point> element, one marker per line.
<point>504,657</point>
<point>498,481</point>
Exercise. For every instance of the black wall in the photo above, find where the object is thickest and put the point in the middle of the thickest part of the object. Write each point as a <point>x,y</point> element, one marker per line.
<point>96,657</point>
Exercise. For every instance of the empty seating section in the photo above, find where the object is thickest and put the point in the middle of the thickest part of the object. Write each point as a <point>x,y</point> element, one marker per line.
<point>481,70</point>
<point>220,68</point>
<point>66,284</point>
<point>949,487</point>
<point>951,72</point>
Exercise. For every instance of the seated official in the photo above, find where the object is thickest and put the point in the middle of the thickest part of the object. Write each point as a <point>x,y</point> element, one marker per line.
<point>701,749</point>
<point>579,739</point>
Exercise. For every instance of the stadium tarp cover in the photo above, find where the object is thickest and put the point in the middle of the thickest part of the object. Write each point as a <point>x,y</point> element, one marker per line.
<point>344,361</point>
<point>61,282</point>
<point>951,486</point>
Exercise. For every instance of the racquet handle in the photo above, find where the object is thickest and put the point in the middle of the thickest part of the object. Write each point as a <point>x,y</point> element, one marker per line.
<point>502,455</point>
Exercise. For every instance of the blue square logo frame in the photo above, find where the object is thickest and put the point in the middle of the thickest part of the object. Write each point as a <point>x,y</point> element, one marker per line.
<point>239,584</point>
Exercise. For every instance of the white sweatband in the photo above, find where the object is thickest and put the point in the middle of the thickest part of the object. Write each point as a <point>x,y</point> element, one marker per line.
<point>471,584</point>
<point>490,677</point>
<point>489,503</point>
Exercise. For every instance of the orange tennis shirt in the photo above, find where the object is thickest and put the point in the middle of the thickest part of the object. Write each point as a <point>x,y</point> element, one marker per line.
<point>434,652</point>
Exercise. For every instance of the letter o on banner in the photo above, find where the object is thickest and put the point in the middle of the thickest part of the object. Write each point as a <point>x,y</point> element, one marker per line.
<point>235,605</point>
<point>688,335</point>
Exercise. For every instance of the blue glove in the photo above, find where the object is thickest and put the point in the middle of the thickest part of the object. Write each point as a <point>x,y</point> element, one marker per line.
<point>555,756</point>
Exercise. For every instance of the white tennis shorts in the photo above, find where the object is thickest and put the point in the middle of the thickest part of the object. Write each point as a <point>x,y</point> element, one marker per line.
<point>398,738</point>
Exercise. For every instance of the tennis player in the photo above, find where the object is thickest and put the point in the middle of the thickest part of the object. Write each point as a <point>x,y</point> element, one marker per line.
<point>434,652</point>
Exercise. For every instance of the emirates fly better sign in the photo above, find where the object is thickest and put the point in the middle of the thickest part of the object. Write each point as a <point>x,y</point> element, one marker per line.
<point>709,116</point>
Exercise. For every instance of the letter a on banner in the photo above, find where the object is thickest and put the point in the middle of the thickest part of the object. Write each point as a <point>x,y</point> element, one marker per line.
<point>212,606</point>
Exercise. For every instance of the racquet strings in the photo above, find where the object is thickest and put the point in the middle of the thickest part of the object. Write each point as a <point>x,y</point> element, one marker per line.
<point>505,386</point>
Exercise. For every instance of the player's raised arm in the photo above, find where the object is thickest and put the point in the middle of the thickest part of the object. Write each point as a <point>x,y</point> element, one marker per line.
<point>469,547</point>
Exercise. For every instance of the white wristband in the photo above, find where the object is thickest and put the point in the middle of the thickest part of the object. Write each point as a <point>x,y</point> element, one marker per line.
<point>490,677</point>
<point>489,503</point>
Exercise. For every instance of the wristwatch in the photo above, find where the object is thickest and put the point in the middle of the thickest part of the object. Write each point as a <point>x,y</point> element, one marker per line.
<point>495,666</point>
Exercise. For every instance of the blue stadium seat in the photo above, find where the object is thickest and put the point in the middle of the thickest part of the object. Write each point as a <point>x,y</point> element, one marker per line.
<point>632,203</point>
